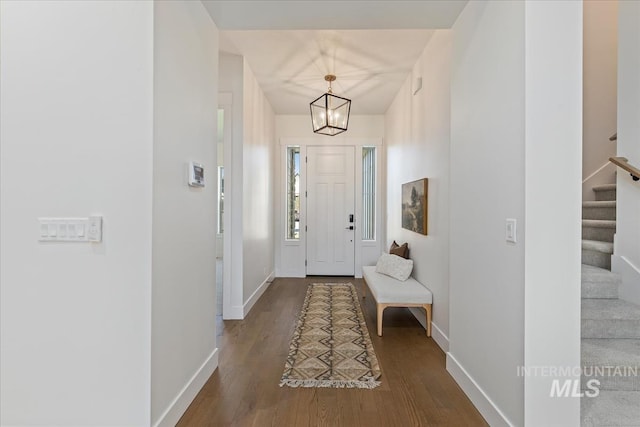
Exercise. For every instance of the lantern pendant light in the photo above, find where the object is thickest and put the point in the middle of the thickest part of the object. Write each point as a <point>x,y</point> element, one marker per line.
<point>330,113</point>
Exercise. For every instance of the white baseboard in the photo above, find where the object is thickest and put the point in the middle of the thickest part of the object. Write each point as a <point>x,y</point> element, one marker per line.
<point>176,409</point>
<point>630,288</point>
<point>436,333</point>
<point>298,274</point>
<point>235,312</point>
<point>257,294</point>
<point>478,397</point>
<point>439,337</point>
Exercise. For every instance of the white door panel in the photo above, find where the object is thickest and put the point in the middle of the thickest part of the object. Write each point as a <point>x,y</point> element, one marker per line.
<point>330,202</point>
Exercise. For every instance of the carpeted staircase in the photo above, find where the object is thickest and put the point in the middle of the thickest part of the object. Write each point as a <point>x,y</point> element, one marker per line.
<point>610,326</point>
<point>598,227</point>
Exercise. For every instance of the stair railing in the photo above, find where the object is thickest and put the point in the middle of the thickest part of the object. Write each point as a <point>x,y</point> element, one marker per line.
<point>624,164</point>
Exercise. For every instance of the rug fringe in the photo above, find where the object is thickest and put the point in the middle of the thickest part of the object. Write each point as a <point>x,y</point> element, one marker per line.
<point>330,383</point>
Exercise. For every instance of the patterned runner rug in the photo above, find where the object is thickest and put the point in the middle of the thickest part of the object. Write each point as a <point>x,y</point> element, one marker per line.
<point>331,346</point>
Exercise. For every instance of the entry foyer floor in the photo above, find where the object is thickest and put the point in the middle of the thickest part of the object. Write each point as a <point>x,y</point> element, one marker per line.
<point>416,389</point>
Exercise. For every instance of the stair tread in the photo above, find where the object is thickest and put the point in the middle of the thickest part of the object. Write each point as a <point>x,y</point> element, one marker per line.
<point>595,245</point>
<point>609,291</point>
<point>611,408</point>
<point>599,204</point>
<point>610,352</point>
<point>598,283</point>
<point>609,309</point>
<point>605,187</point>
<point>591,273</point>
<point>600,223</point>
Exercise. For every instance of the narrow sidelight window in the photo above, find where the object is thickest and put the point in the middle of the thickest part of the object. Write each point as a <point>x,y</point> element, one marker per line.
<point>293,193</point>
<point>220,199</point>
<point>368,193</point>
<point>220,147</point>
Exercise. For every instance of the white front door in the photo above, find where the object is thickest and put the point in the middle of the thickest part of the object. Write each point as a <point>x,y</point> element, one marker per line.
<point>330,211</point>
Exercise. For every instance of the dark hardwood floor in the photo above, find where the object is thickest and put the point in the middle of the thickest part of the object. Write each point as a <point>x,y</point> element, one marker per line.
<point>416,390</point>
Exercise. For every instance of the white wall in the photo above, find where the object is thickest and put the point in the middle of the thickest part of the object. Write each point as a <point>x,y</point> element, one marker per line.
<point>250,187</point>
<point>626,260</point>
<point>231,83</point>
<point>296,130</point>
<point>417,143</point>
<point>296,126</point>
<point>515,153</point>
<point>76,112</point>
<point>553,140</point>
<point>258,190</point>
<point>486,187</point>
<point>600,67</point>
<point>183,336</point>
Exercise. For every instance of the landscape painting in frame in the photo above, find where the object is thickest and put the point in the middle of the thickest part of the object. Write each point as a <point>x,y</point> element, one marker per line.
<point>414,206</point>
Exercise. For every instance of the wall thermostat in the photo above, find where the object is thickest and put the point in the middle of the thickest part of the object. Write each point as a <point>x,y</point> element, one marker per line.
<point>196,175</point>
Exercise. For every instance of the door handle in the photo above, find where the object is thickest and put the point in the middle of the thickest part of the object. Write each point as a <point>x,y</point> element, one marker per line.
<point>349,227</point>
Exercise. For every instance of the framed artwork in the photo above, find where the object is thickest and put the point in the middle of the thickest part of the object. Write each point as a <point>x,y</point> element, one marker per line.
<point>414,205</point>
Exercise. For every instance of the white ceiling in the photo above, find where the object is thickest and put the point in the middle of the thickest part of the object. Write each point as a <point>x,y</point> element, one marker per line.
<point>370,65</point>
<point>291,45</point>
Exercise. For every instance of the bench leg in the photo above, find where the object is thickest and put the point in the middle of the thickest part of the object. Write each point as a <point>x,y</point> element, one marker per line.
<point>380,308</point>
<point>427,308</point>
<point>364,288</point>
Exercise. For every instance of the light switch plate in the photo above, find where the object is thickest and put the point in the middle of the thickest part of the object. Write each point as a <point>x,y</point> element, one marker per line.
<point>70,229</point>
<point>94,232</point>
<point>511,230</point>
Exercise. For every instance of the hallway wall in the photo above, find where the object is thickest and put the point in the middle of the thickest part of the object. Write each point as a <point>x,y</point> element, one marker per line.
<point>299,126</point>
<point>249,185</point>
<point>77,137</point>
<point>553,205</point>
<point>183,332</point>
<point>516,70</point>
<point>600,66</point>
<point>259,189</point>
<point>103,105</point>
<point>626,260</point>
<point>231,83</point>
<point>417,142</point>
<point>487,186</point>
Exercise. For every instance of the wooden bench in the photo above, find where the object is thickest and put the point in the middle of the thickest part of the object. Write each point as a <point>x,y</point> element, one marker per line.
<point>390,292</point>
